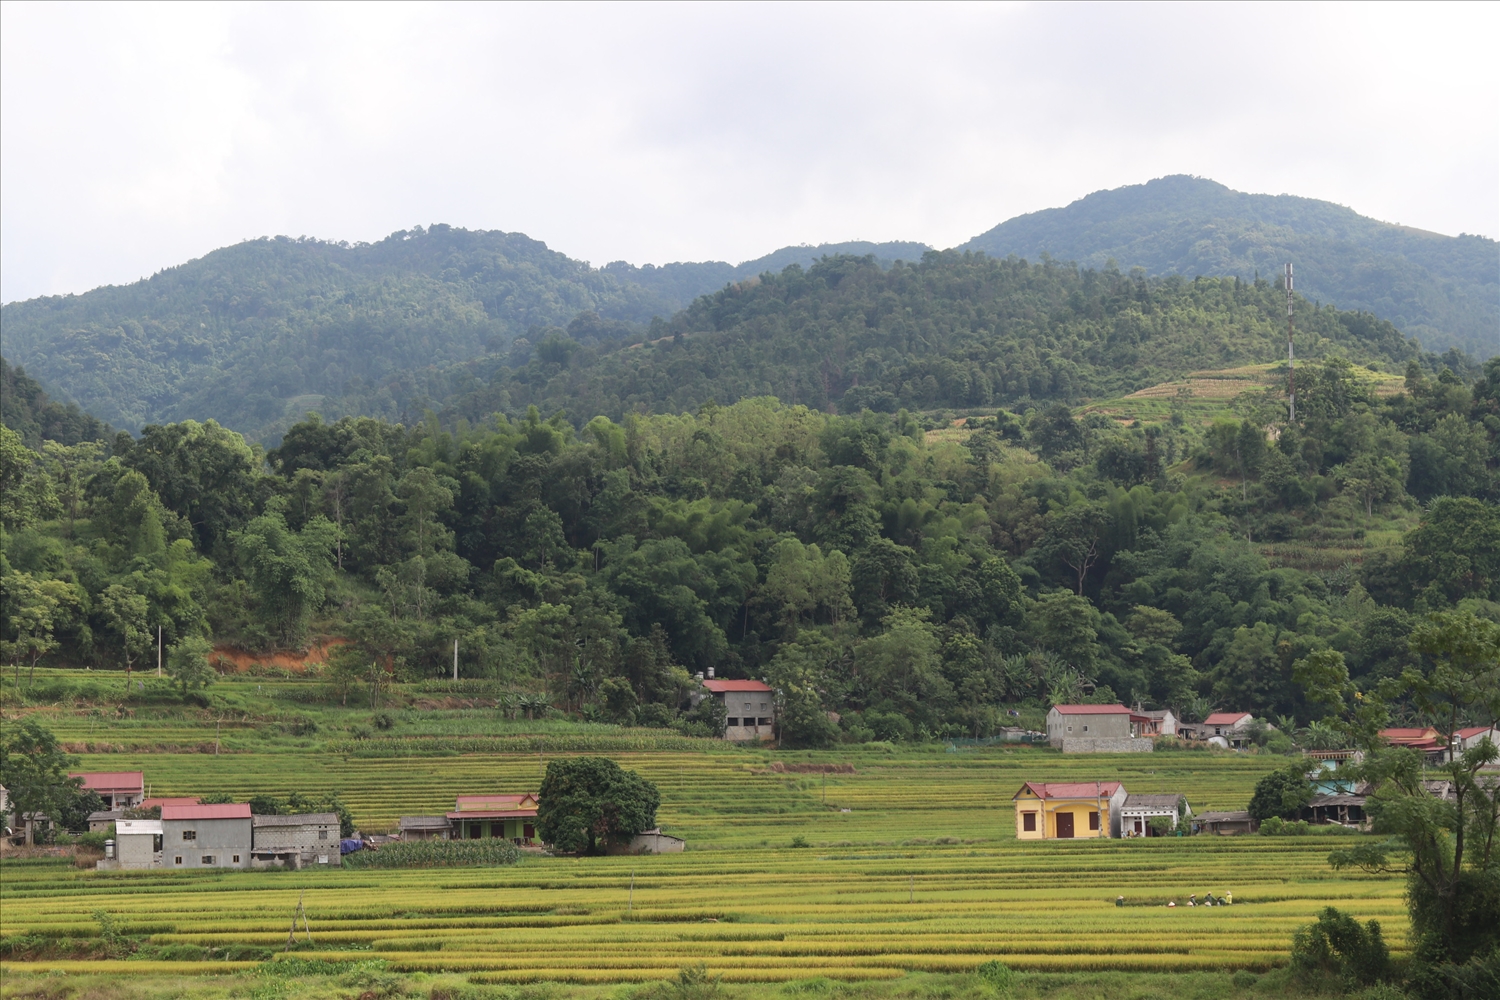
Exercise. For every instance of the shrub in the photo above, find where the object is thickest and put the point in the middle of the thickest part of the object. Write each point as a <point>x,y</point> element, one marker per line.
<point>383,721</point>
<point>996,975</point>
<point>437,854</point>
<point>800,841</point>
<point>1338,945</point>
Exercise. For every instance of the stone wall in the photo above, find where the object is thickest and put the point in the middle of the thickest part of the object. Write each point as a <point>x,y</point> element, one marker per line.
<point>1085,744</point>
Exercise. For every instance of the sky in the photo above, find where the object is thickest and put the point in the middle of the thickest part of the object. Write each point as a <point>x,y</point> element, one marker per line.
<point>134,137</point>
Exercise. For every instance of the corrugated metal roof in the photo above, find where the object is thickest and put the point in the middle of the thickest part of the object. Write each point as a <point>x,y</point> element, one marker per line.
<point>1134,801</point>
<point>138,827</point>
<point>722,687</point>
<point>424,823</point>
<point>1222,817</point>
<point>225,810</point>
<point>513,801</point>
<point>111,781</point>
<point>300,819</point>
<point>1070,789</point>
<point>1091,710</point>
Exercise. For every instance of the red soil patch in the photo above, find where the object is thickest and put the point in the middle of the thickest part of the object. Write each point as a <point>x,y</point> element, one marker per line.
<point>229,659</point>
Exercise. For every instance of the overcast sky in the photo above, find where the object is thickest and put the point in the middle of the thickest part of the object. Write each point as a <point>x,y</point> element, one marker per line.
<point>135,137</point>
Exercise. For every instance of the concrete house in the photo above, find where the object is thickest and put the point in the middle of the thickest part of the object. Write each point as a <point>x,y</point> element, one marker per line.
<point>119,789</point>
<point>1068,810</point>
<point>511,816</point>
<point>299,841</point>
<point>651,841</point>
<point>1231,727</point>
<point>1157,722</point>
<point>1471,736</point>
<point>138,844</point>
<point>216,836</point>
<point>749,707</point>
<point>1096,729</point>
<point>1139,810</point>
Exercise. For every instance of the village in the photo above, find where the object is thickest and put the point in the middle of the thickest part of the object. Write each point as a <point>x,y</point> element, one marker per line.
<point>185,832</point>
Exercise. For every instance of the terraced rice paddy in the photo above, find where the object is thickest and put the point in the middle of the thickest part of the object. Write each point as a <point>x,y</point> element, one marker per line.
<point>912,867</point>
<point>757,915</point>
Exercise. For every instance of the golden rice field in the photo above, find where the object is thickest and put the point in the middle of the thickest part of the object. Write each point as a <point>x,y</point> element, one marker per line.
<point>912,866</point>
<point>749,915</point>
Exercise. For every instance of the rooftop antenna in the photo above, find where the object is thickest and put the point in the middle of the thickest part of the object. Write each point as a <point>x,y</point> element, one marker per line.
<point>1291,361</point>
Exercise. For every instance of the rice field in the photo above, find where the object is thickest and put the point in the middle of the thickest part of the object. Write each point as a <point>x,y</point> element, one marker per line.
<point>754,915</point>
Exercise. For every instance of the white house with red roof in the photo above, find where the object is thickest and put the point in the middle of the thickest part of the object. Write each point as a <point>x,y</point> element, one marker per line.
<point>1471,736</point>
<point>206,836</point>
<point>749,707</point>
<point>118,789</point>
<point>1068,810</point>
<point>1098,729</point>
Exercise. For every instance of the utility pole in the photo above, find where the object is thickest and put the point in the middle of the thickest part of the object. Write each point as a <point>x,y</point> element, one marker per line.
<point>158,651</point>
<point>455,659</point>
<point>1291,363</point>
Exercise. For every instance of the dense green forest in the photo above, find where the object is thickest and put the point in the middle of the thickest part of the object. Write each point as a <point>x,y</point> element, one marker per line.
<point>1444,290</point>
<point>911,577</point>
<point>955,330</point>
<point>31,413</point>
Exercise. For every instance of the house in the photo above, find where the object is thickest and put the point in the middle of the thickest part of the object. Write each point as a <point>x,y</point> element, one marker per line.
<point>1225,824</point>
<point>1068,810</point>
<point>511,816</point>
<point>1232,728</point>
<point>213,836</point>
<point>749,706</point>
<point>297,841</point>
<point>1471,736</point>
<point>138,844</point>
<point>1139,810</point>
<point>1157,722</point>
<point>100,822</point>
<point>426,828</point>
<point>650,842</point>
<point>118,789</point>
<point>1424,739</point>
<point>1096,728</point>
<point>1341,808</point>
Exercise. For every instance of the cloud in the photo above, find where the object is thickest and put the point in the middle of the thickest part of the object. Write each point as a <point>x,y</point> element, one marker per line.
<point>133,137</point>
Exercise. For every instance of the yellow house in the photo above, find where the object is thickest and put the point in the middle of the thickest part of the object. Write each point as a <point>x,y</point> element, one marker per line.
<point>1050,810</point>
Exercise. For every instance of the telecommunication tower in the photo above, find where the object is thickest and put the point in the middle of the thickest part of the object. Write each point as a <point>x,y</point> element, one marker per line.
<point>1291,360</point>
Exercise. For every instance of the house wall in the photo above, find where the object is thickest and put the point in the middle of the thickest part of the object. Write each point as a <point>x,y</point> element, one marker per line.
<point>1062,727</point>
<point>1079,809</point>
<point>304,838</point>
<point>137,850</point>
<point>221,839</point>
<point>756,712</point>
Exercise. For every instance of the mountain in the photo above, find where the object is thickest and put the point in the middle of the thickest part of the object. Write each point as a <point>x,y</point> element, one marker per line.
<point>258,333</point>
<point>955,330</point>
<point>27,409</point>
<point>1445,290</point>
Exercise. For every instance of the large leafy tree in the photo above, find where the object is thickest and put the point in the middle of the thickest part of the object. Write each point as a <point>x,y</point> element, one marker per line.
<point>586,803</point>
<point>34,771</point>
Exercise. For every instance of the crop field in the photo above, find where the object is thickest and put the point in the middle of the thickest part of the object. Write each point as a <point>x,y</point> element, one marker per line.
<point>751,915</point>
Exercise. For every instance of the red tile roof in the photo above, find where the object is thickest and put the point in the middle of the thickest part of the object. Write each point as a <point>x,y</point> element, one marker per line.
<point>225,810</point>
<point>1471,731</point>
<point>1408,734</point>
<point>1224,718</point>
<point>183,800</point>
<point>511,803</point>
<point>1069,789</point>
<point>112,781</point>
<point>1092,710</point>
<point>720,687</point>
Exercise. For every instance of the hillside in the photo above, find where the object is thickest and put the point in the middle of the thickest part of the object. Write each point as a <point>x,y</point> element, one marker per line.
<point>1444,290</point>
<point>953,331</point>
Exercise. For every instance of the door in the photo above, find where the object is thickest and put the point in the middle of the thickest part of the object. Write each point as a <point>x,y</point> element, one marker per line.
<point>1064,825</point>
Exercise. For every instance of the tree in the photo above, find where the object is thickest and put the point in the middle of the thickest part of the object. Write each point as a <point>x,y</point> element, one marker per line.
<point>125,611</point>
<point>287,570</point>
<point>1075,535</point>
<point>902,663</point>
<point>1282,793</point>
<point>586,803</point>
<point>188,665</point>
<point>34,609</point>
<point>34,771</point>
<point>1454,553</point>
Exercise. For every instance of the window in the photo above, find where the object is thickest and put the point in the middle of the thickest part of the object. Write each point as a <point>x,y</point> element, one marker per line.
<point>1085,728</point>
<point>1093,821</point>
<point>177,860</point>
<point>208,859</point>
<point>189,834</point>
<point>731,722</point>
<point>236,859</point>
<point>322,834</point>
<point>762,706</point>
<point>747,706</point>
<point>1028,822</point>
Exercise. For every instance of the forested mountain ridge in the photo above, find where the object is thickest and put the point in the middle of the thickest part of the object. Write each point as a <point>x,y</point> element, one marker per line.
<point>256,334</point>
<point>955,330</point>
<point>1445,290</point>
